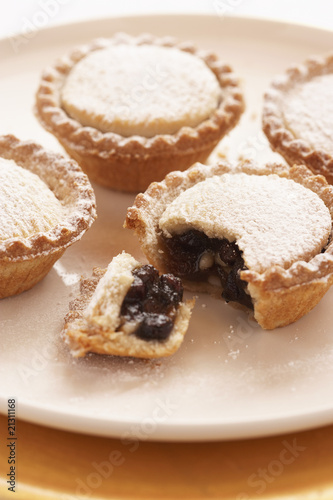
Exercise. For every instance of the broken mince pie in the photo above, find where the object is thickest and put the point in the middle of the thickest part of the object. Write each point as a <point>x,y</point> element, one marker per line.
<point>130,109</point>
<point>259,235</point>
<point>46,204</point>
<point>297,115</point>
<point>128,310</point>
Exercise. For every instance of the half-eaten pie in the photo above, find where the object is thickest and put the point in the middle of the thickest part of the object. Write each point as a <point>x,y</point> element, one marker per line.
<point>298,115</point>
<point>128,310</point>
<point>131,109</point>
<point>46,204</point>
<point>259,235</point>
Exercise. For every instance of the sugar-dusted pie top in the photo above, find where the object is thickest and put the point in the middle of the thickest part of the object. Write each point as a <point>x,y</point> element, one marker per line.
<point>141,90</point>
<point>274,220</point>
<point>308,111</point>
<point>28,206</point>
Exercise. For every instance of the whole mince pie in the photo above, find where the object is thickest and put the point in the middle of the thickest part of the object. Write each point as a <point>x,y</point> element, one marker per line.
<point>131,109</point>
<point>259,237</point>
<point>128,309</point>
<point>297,115</point>
<point>46,205</point>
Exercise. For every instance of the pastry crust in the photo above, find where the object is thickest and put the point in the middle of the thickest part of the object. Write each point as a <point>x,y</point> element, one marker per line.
<point>132,163</point>
<point>296,150</point>
<point>25,261</point>
<point>83,333</point>
<point>280,296</point>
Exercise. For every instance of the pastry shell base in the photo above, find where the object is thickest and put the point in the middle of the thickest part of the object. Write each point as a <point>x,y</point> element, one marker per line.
<point>82,337</point>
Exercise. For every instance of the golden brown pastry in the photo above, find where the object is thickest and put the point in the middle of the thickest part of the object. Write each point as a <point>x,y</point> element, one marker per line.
<point>128,310</point>
<point>259,235</point>
<point>131,109</point>
<point>47,204</point>
<point>297,116</point>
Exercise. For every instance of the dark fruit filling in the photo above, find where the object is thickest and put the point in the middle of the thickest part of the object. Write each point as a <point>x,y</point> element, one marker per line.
<point>194,256</point>
<point>152,302</point>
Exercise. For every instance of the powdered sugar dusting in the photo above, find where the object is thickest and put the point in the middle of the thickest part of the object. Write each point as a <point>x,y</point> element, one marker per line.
<point>140,90</point>
<point>306,115</point>
<point>22,195</point>
<point>274,220</point>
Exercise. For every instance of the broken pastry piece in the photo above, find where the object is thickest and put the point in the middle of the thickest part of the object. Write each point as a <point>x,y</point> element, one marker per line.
<point>258,236</point>
<point>128,310</point>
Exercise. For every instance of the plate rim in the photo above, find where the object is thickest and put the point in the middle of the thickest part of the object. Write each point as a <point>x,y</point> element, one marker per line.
<point>183,431</point>
<point>278,23</point>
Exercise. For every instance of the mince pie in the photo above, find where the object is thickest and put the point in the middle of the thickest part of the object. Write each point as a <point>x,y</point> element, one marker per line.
<point>258,236</point>
<point>131,109</point>
<point>297,117</point>
<point>128,310</point>
<point>47,204</point>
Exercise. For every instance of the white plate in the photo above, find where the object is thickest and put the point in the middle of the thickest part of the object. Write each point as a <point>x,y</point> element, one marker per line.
<point>230,379</point>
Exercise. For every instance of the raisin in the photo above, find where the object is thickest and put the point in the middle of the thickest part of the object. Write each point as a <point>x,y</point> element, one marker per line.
<point>171,289</point>
<point>147,273</point>
<point>234,290</point>
<point>155,327</point>
<point>223,275</point>
<point>229,252</point>
<point>137,290</point>
<point>231,291</point>
<point>186,251</point>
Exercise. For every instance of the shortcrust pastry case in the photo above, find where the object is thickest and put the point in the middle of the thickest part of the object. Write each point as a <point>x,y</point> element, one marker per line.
<point>127,310</point>
<point>297,115</point>
<point>47,204</point>
<point>279,293</point>
<point>130,161</point>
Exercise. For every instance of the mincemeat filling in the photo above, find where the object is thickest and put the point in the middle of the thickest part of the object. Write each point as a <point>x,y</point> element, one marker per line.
<point>195,256</point>
<point>152,302</point>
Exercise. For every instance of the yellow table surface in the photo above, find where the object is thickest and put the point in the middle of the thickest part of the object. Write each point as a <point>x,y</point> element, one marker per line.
<point>53,464</point>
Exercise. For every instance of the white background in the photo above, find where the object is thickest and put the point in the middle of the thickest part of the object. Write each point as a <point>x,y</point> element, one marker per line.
<point>21,15</point>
